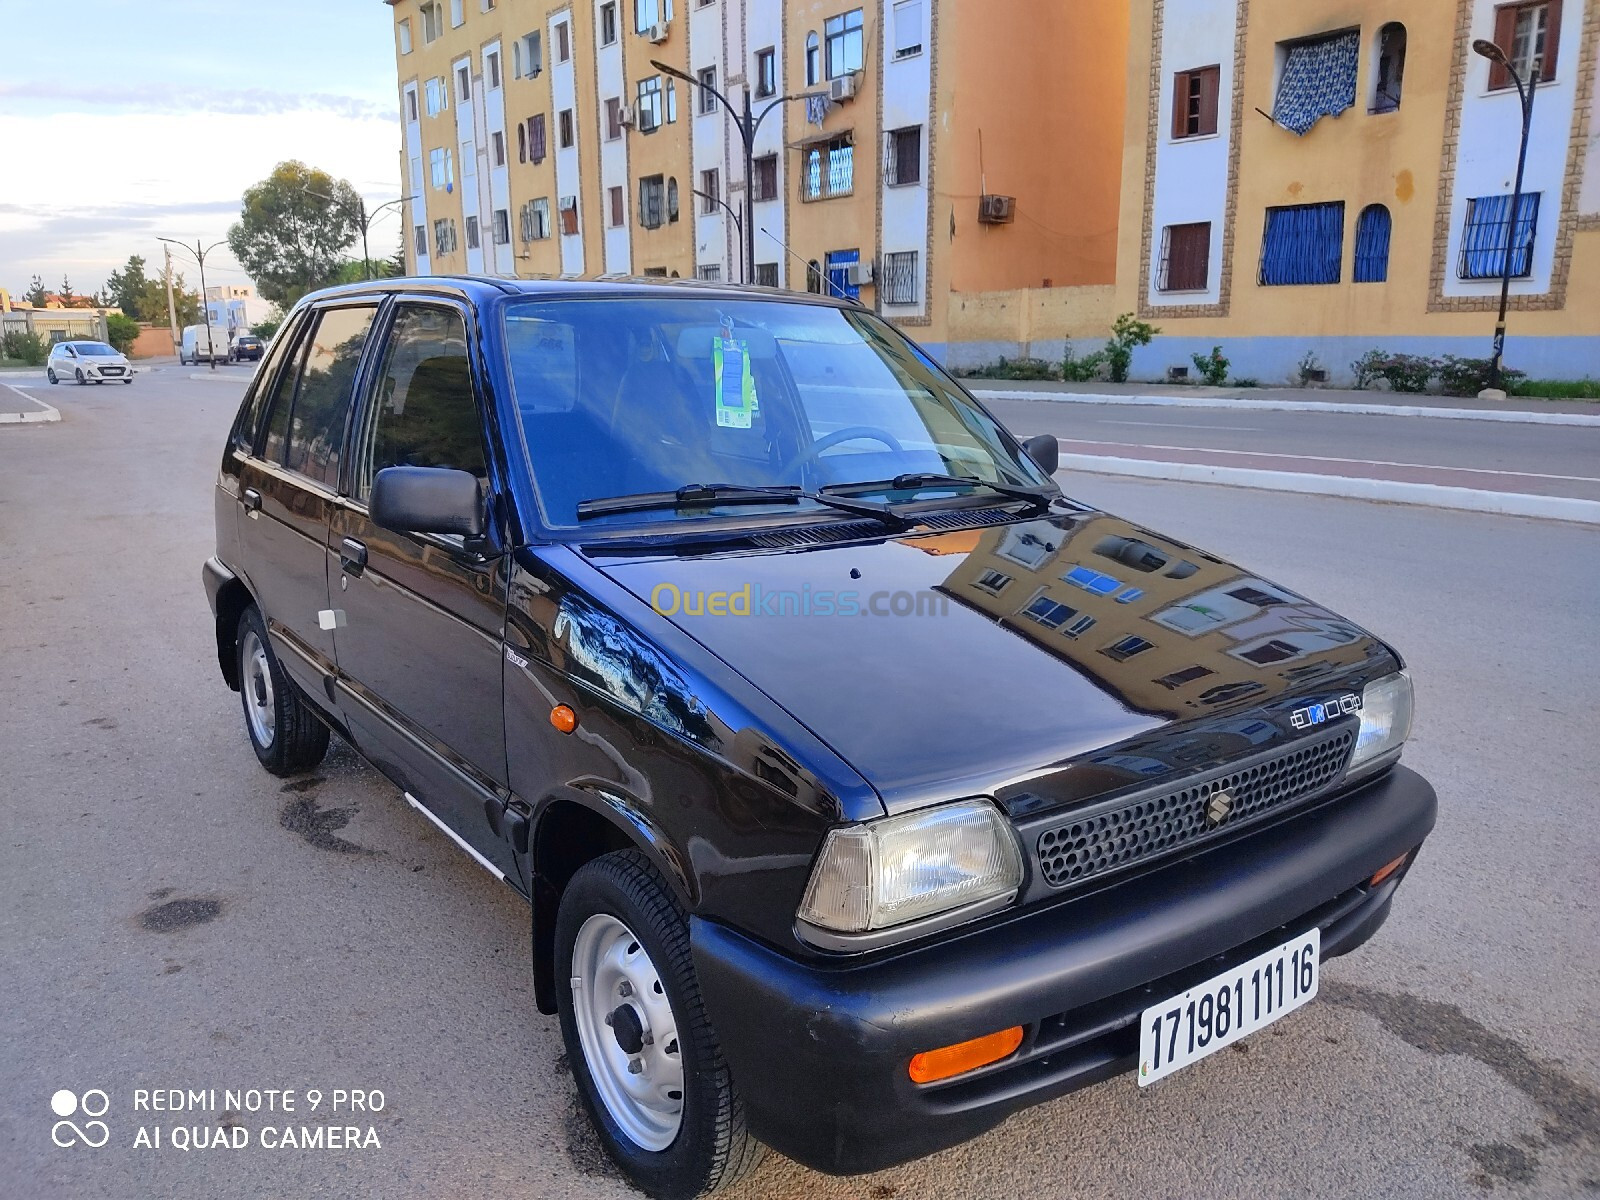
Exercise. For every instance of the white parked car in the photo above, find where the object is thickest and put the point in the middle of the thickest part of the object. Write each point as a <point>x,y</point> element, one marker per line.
<point>87,362</point>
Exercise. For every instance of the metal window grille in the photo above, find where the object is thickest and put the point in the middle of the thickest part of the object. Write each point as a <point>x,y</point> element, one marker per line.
<point>711,273</point>
<point>829,170</point>
<point>500,220</point>
<point>652,191</point>
<point>537,148</point>
<point>902,156</point>
<point>1303,244</point>
<point>1372,245</point>
<point>766,180</point>
<point>899,284</point>
<point>472,233</point>
<point>767,274</point>
<point>1487,232</point>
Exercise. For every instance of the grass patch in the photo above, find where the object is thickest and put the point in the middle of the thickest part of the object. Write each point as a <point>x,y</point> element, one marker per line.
<point>1558,389</point>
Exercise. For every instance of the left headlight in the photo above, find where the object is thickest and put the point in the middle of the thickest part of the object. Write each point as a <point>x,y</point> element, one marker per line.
<point>1385,722</point>
<point>895,870</point>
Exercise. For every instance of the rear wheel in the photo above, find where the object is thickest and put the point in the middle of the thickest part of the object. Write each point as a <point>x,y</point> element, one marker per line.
<point>287,736</point>
<point>645,1058</point>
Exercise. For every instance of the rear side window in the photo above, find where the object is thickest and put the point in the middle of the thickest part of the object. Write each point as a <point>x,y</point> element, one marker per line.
<point>249,425</point>
<point>327,381</point>
<point>281,401</point>
<point>424,413</point>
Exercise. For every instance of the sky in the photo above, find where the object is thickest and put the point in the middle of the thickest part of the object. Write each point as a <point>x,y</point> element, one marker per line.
<point>128,120</point>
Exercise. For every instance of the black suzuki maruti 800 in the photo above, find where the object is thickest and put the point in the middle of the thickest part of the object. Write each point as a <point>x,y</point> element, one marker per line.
<point>865,789</point>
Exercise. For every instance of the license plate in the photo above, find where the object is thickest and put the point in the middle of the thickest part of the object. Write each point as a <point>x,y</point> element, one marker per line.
<point>1230,1006</point>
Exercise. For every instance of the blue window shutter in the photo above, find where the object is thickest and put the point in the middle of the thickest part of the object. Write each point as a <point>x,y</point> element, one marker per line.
<point>1303,243</point>
<point>1372,245</point>
<point>1484,237</point>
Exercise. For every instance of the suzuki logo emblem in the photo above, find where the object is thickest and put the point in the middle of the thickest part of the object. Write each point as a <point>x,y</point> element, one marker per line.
<point>1217,810</point>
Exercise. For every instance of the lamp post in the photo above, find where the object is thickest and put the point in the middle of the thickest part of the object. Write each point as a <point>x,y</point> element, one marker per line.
<point>364,218</point>
<point>747,124</point>
<point>732,216</point>
<point>1496,55</point>
<point>199,256</point>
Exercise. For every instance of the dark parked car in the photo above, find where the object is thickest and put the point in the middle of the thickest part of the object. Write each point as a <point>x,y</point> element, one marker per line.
<point>864,788</point>
<point>248,346</point>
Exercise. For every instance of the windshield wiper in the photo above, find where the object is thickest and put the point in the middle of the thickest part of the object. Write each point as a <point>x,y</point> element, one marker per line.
<point>917,480</point>
<point>713,495</point>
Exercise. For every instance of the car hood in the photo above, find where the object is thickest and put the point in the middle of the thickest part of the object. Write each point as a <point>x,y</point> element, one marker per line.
<point>1058,657</point>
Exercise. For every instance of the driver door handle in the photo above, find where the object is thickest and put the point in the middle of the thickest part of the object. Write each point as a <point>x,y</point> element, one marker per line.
<point>352,557</point>
<point>252,500</point>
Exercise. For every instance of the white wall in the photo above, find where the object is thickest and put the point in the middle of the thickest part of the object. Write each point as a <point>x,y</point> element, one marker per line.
<point>1192,173</point>
<point>564,91</point>
<point>906,86</point>
<point>763,26</point>
<point>465,152</point>
<point>713,233</point>
<point>502,260</point>
<point>609,83</point>
<point>416,168</point>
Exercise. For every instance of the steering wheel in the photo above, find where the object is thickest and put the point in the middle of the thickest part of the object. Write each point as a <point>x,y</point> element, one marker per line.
<point>849,433</point>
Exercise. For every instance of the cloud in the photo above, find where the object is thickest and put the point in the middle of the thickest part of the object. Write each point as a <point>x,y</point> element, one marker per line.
<point>184,99</point>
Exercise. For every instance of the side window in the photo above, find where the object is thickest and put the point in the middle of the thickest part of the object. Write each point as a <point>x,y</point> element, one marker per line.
<point>327,380</point>
<point>282,398</point>
<point>249,425</point>
<point>424,413</point>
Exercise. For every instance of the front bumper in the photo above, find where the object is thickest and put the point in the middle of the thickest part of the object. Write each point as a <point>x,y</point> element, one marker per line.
<point>820,1051</point>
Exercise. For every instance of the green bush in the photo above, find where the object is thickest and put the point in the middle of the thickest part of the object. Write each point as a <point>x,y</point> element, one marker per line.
<point>121,331</point>
<point>1308,367</point>
<point>1557,389</point>
<point>1246,381</point>
<point>25,347</point>
<point>1368,369</point>
<point>1469,376</point>
<point>1409,372</point>
<point>265,329</point>
<point>1017,368</point>
<point>1081,370</point>
<point>1213,367</point>
<point>1127,332</point>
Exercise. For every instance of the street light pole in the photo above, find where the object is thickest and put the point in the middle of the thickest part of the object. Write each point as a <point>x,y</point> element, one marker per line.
<point>205,309</point>
<point>365,218</point>
<point>1495,54</point>
<point>738,224</point>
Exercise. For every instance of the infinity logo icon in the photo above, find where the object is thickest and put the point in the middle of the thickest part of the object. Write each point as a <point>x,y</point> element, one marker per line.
<point>93,1103</point>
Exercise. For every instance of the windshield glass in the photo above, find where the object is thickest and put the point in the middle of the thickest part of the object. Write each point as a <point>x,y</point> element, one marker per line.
<point>98,349</point>
<point>622,396</point>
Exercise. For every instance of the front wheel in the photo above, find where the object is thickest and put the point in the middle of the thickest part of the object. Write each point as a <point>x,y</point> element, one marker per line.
<point>127,381</point>
<point>286,735</point>
<point>79,373</point>
<point>645,1058</point>
<point>50,374</point>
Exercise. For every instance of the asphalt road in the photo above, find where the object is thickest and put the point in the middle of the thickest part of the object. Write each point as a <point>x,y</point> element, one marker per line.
<point>1552,460</point>
<point>173,917</point>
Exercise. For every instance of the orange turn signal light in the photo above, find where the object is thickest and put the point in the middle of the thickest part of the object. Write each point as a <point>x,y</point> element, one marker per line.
<point>1388,869</point>
<point>563,718</point>
<point>933,1065</point>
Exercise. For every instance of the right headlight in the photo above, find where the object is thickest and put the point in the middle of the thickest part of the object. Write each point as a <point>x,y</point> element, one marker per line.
<point>889,872</point>
<point>1385,722</point>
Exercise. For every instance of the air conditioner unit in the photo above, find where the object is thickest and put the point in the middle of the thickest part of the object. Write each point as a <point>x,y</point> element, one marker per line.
<point>842,88</point>
<point>997,210</point>
<point>859,273</point>
<point>625,115</point>
<point>658,33</point>
<point>569,203</point>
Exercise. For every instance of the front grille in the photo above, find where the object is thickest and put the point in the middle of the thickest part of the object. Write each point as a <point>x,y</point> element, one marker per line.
<point>1138,828</point>
<point>111,370</point>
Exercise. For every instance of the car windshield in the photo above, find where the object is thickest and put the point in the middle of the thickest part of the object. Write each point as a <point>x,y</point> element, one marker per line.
<point>628,396</point>
<point>96,349</point>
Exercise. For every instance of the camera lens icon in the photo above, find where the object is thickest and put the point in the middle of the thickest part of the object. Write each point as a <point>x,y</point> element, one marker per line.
<point>93,1103</point>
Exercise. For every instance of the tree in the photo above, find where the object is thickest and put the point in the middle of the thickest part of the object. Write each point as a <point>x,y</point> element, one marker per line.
<point>35,294</point>
<point>66,293</point>
<point>293,228</point>
<point>121,331</point>
<point>126,290</point>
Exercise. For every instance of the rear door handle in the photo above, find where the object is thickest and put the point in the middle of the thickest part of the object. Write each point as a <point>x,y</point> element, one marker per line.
<point>252,500</point>
<point>352,556</point>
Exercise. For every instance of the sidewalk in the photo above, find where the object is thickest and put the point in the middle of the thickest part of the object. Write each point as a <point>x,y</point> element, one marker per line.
<point>1517,409</point>
<point>18,408</point>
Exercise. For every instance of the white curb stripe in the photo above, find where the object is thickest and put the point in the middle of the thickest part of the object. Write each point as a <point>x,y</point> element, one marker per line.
<point>1512,416</point>
<point>1513,504</point>
<point>18,418</point>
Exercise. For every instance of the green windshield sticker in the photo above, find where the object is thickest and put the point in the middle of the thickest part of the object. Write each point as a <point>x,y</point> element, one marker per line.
<point>735,387</point>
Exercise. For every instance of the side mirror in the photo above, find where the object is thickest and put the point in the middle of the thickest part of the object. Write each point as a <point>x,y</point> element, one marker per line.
<point>427,500</point>
<point>1044,450</point>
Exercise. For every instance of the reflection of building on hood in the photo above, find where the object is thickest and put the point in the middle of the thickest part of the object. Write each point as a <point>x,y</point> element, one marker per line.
<point>1194,631</point>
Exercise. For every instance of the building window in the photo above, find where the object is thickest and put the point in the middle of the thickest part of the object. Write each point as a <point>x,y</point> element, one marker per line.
<point>569,216</point>
<point>469,160</point>
<point>411,104</point>
<point>1177,679</point>
<point>767,72</point>
<point>767,274</point>
<point>765,184</point>
<point>1194,102</point>
<point>500,222</point>
<point>1487,231</point>
<point>608,24</point>
<point>432,23</point>
<point>464,83</point>
<point>829,169</point>
<point>1318,80</point>
<point>650,12</point>
<point>899,277</point>
<point>813,59</point>
<point>1052,614</point>
<point>710,273</point>
<point>444,235</point>
<point>527,56</point>
<point>563,41</point>
<point>472,233</point>
<point>708,81</point>
<point>617,206</point>
<point>1096,583</point>
<point>497,148</point>
<point>537,142</point>
<point>1391,68</point>
<point>993,582</point>
<point>652,201</point>
<point>1303,243</point>
<point>1528,33</point>
<point>405,36</point>
<point>907,29</point>
<point>672,102</point>
<point>814,277</point>
<point>1126,648</point>
<point>441,171</point>
<point>648,110</point>
<point>1185,258</point>
<point>486,6</point>
<point>902,156</point>
<point>457,17</point>
<point>438,96</point>
<point>534,217</point>
<point>672,199</point>
<point>419,239</point>
<point>843,35</point>
<point>564,124</point>
<point>710,191</point>
<point>1372,245</point>
<point>613,119</point>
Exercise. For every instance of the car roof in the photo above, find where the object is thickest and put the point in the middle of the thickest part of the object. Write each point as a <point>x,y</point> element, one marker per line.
<point>480,288</point>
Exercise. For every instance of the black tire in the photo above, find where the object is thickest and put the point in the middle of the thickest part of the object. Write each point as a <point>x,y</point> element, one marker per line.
<point>712,1148</point>
<point>50,374</point>
<point>127,381</point>
<point>297,739</point>
<point>79,371</point>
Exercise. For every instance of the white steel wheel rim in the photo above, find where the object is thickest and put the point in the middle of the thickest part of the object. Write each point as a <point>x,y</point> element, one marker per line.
<point>259,704</point>
<point>628,1032</point>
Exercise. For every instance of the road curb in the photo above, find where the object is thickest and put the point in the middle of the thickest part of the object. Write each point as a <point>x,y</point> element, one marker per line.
<point>28,418</point>
<point>1432,495</point>
<point>1511,416</point>
<point>208,377</point>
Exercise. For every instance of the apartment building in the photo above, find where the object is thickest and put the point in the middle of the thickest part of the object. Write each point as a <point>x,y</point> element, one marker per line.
<point>908,151</point>
<point>1334,176</point>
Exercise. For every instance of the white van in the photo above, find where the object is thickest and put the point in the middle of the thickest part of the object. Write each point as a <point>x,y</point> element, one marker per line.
<point>195,347</point>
